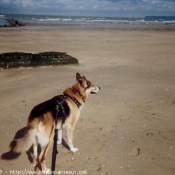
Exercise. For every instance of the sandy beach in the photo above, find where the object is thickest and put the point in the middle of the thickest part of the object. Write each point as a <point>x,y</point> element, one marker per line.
<point>128,127</point>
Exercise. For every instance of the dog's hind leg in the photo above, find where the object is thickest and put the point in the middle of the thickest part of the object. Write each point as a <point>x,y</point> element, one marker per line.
<point>35,154</point>
<point>42,157</point>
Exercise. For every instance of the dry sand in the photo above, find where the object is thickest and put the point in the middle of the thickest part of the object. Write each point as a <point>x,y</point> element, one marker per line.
<point>128,128</point>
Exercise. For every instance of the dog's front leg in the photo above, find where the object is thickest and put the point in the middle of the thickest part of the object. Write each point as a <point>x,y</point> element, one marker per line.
<point>59,141</point>
<point>59,127</point>
<point>70,132</point>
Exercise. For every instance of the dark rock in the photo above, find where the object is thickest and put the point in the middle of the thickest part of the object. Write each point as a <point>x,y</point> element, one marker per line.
<point>20,59</point>
<point>14,23</point>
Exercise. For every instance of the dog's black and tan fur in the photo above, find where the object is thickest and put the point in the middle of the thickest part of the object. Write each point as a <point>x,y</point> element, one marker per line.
<point>40,126</point>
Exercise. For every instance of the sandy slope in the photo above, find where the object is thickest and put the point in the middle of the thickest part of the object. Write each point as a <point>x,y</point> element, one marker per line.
<point>128,128</point>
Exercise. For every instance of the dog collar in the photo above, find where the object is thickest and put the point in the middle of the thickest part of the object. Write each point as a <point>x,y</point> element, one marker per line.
<point>74,90</point>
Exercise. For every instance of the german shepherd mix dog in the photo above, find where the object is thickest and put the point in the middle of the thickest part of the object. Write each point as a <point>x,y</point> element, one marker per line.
<point>41,123</point>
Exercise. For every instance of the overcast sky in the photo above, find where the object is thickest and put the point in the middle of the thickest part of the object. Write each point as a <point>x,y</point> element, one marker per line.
<point>116,8</point>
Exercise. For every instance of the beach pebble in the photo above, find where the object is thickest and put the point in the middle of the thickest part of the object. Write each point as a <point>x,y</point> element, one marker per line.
<point>124,118</point>
<point>99,169</point>
<point>135,151</point>
<point>149,134</point>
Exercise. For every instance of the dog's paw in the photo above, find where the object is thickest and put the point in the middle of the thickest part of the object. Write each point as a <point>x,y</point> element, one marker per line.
<point>46,171</point>
<point>59,142</point>
<point>74,150</point>
<point>33,164</point>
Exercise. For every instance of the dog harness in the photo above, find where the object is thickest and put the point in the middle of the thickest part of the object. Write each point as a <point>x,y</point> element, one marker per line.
<point>75,101</point>
<point>59,102</point>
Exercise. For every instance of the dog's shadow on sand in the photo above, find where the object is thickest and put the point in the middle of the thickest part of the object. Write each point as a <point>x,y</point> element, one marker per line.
<point>10,155</point>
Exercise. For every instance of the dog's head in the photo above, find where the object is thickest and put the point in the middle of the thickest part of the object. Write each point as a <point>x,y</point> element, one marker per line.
<point>85,87</point>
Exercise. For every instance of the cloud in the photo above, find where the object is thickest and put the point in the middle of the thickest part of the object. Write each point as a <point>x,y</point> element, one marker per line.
<point>5,1</point>
<point>158,5</point>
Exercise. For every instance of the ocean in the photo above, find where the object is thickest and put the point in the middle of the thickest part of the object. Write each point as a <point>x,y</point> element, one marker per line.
<point>92,21</point>
<point>2,21</point>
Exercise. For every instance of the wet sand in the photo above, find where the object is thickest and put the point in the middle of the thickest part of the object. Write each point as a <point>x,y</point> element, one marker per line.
<point>128,128</point>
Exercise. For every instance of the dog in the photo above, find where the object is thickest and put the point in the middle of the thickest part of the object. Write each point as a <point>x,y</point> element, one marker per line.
<point>41,123</point>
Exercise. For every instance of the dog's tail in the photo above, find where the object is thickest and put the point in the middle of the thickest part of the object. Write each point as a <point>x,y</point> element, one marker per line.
<point>24,143</point>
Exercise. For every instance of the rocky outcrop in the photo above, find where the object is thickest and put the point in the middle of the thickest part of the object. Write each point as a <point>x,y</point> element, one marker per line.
<point>20,59</point>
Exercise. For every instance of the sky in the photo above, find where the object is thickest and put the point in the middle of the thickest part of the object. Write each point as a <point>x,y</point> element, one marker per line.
<point>111,8</point>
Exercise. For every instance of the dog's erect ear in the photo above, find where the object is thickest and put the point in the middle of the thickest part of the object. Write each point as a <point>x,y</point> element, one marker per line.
<point>81,79</point>
<point>84,82</point>
<point>78,76</point>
